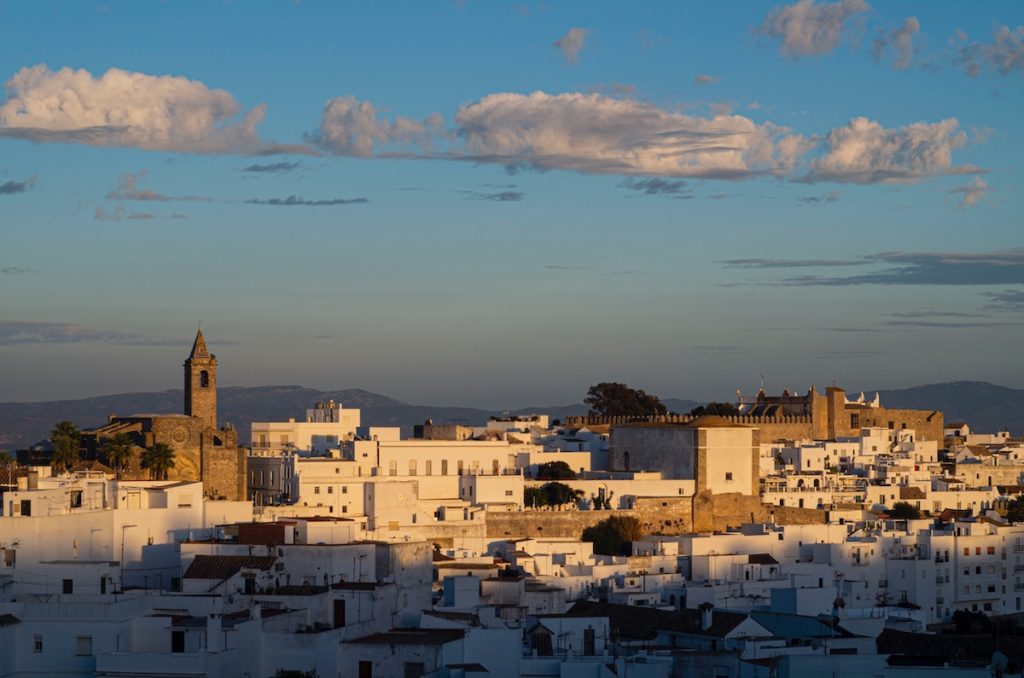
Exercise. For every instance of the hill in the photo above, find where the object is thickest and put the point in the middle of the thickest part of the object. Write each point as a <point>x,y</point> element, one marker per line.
<point>22,424</point>
<point>986,407</point>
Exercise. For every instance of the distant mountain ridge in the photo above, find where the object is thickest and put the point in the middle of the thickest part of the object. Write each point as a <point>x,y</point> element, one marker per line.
<point>985,406</point>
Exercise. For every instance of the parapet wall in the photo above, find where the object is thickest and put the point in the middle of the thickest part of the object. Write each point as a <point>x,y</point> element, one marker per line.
<point>746,420</point>
<point>705,512</point>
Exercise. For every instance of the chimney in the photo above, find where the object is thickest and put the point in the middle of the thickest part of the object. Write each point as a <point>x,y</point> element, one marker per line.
<point>214,633</point>
<point>706,616</point>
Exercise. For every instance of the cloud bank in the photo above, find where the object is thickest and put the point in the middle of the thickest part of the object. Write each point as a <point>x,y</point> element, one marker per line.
<point>971,193</point>
<point>571,44</point>
<point>1004,54</point>
<point>295,201</point>
<point>12,187</point>
<point>125,108</point>
<point>16,332</point>
<point>808,28</point>
<point>900,42</point>
<point>1005,267</point>
<point>864,152</point>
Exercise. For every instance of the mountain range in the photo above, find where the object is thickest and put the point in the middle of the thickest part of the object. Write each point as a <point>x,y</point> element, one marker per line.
<point>985,406</point>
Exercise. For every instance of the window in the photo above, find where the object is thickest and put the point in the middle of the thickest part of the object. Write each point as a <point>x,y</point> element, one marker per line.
<point>316,490</point>
<point>508,493</point>
<point>83,646</point>
<point>204,379</point>
<point>495,467</point>
<point>344,509</point>
<point>412,467</point>
<point>977,550</point>
<point>728,475</point>
<point>991,550</point>
<point>344,489</point>
<point>444,467</point>
<point>69,585</point>
<point>392,468</point>
<point>589,640</point>
<point>967,551</point>
<point>413,670</point>
<point>330,489</point>
<point>177,641</point>
<point>854,421</point>
<point>37,643</point>
<point>365,669</point>
<point>459,467</point>
<point>428,467</point>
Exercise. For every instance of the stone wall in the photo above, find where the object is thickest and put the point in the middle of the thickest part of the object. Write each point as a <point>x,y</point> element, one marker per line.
<point>224,472</point>
<point>663,515</point>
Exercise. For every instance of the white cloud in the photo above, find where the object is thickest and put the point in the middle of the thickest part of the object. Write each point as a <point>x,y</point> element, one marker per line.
<point>123,108</point>
<point>351,127</point>
<point>1004,54</point>
<point>704,79</point>
<point>971,193</point>
<point>864,152</point>
<point>597,134</point>
<point>807,28</point>
<point>900,41</point>
<point>571,44</point>
<point>128,189</point>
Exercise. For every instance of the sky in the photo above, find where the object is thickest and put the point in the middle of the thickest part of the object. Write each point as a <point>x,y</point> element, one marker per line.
<point>498,204</point>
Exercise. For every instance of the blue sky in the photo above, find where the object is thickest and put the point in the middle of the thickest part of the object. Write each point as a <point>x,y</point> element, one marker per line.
<point>499,204</point>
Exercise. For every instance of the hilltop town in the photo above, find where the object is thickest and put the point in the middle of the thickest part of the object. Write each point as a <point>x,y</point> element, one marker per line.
<point>792,534</point>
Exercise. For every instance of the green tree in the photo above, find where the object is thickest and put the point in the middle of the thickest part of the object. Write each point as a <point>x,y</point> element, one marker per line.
<point>158,460</point>
<point>1015,510</point>
<point>618,400</point>
<point>117,450</point>
<point>66,439</point>
<point>614,536</point>
<point>534,497</point>
<point>901,510</point>
<point>559,493</point>
<point>555,470</point>
<point>717,409</point>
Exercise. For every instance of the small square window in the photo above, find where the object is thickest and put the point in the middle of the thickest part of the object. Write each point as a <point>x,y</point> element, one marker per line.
<point>330,489</point>
<point>728,475</point>
<point>83,646</point>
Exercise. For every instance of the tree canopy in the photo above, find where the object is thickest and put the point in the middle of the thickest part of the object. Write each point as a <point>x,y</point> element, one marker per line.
<point>901,510</point>
<point>158,460</point>
<point>550,494</point>
<point>618,400</point>
<point>718,409</point>
<point>614,536</point>
<point>66,439</point>
<point>1015,510</point>
<point>118,452</point>
<point>555,470</point>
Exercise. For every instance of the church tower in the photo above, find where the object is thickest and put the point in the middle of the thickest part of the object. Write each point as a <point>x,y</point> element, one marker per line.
<point>201,383</point>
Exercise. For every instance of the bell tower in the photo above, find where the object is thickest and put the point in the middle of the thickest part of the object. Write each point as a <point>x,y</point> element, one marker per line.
<point>201,382</point>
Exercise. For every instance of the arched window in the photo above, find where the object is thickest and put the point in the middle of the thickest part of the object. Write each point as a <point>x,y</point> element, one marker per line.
<point>204,379</point>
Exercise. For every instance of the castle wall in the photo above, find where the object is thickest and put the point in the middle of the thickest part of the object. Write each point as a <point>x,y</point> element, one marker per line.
<point>657,515</point>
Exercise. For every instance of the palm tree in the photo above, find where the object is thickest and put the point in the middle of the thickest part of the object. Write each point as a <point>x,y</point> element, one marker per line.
<point>159,459</point>
<point>118,452</point>
<point>66,439</point>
